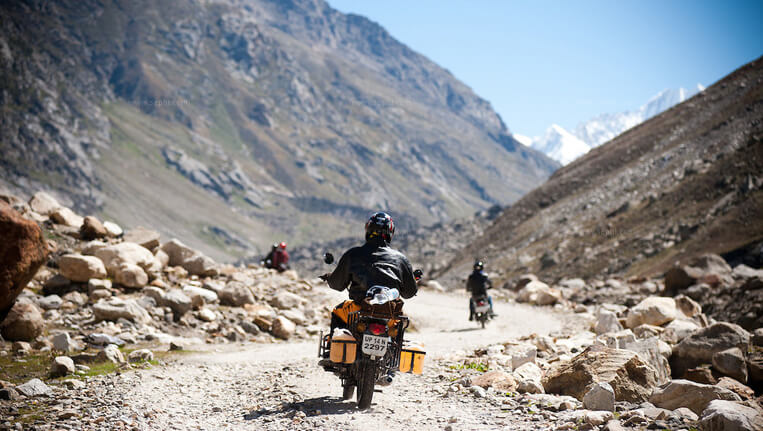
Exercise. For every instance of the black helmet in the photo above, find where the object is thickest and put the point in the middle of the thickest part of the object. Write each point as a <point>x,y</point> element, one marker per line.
<point>478,265</point>
<point>380,225</point>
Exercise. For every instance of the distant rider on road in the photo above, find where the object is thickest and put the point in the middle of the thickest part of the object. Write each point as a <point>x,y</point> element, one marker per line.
<point>478,284</point>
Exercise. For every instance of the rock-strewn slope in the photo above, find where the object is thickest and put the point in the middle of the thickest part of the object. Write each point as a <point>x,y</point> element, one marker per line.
<point>684,183</point>
<point>217,119</point>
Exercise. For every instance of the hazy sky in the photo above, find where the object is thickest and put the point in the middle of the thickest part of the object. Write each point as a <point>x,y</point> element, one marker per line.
<point>543,62</point>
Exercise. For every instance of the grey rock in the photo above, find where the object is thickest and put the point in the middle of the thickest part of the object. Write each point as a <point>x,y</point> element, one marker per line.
<point>178,301</point>
<point>62,366</point>
<point>731,362</point>
<point>141,355</point>
<point>699,348</point>
<point>34,388</point>
<point>144,237</point>
<point>600,396</point>
<point>50,302</point>
<point>111,353</point>
<point>685,393</point>
<point>116,308</point>
<point>236,294</point>
<point>721,415</point>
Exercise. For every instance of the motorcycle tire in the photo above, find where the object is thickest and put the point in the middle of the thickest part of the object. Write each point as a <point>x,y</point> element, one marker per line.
<point>366,385</point>
<point>349,391</point>
<point>482,321</point>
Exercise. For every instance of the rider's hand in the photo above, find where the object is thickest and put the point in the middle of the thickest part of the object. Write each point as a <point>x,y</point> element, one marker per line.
<point>324,277</point>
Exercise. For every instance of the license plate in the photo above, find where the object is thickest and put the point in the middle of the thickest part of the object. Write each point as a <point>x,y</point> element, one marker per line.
<point>482,308</point>
<point>374,346</point>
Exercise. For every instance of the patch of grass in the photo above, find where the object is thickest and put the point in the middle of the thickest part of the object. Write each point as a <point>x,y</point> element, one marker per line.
<point>19,370</point>
<point>479,366</point>
<point>30,413</point>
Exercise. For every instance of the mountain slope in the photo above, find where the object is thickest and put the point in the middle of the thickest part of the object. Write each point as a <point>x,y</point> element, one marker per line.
<point>683,183</point>
<point>240,123</point>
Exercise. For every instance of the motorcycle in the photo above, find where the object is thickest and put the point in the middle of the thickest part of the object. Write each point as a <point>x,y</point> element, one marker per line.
<point>372,348</point>
<point>481,310</point>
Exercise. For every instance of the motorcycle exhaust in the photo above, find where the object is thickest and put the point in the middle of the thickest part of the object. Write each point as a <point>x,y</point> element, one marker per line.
<point>385,380</point>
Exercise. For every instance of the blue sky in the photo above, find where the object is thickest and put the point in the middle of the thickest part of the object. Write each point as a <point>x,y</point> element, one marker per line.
<point>542,62</point>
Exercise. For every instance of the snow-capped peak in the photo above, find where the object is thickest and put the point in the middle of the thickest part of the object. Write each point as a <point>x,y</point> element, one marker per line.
<point>560,145</point>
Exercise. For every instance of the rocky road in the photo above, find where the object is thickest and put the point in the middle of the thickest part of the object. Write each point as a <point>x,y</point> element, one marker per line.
<point>280,386</point>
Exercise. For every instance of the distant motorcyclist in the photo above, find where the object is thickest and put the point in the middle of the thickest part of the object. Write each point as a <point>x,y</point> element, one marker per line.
<point>372,264</point>
<point>278,258</point>
<point>477,284</point>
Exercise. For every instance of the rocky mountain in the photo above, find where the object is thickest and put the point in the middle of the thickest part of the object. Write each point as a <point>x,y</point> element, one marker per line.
<point>233,124</point>
<point>564,146</point>
<point>684,183</point>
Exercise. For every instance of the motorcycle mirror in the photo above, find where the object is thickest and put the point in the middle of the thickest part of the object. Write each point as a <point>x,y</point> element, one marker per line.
<point>417,274</point>
<point>328,258</point>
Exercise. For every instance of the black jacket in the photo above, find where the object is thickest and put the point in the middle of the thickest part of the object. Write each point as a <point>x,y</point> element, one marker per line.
<point>478,284</point>
<point>373,265</point>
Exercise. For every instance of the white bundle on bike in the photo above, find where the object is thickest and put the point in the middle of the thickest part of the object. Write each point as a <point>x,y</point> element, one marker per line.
<point>382,295</point>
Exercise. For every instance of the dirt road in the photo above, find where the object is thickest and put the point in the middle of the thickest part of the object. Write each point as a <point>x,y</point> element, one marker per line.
<point>279,386</point>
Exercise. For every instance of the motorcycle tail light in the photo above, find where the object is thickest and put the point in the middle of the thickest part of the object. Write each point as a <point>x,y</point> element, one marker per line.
<point>481,303</point>
<point>377,328</point>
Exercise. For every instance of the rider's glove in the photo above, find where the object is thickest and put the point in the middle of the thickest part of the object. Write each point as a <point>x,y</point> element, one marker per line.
<point>324,277</point>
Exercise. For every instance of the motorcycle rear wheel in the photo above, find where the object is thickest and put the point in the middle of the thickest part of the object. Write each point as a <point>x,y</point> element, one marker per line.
<point>482,321</point>
<point>349,391</point>
<point>366,385</point>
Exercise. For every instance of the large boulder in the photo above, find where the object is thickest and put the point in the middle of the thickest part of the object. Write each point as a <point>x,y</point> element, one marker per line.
<point>116,308</point>
<point>43,203</point>
<point>61,366</point>
<point>92,228</point>
<point>529,378</point>
<point>629,376</point>
<point>65,216</point>
<point>201,265</point>
<point>23,323</point>
<point>283,328</point>
<point>692,395</point>
<point>721,415</point>
<point>116,255</point>
<point>699,348</point>
<point>144,237</point>
<point>679,278</point>
<point>731,362</point>
<point>285,300</point>
<point>22,251</point>
<point>495,379</point>
<point>178,302</point>
<point>538,293</point>
<point>130,275</point>
<point>178,252</point>
<point>77,267</point>
<point>236,294</point>
<point>654,352</point>
<point>653,310</point>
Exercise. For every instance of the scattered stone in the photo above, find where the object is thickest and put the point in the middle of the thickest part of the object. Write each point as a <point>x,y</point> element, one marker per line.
<point>62,342</point>
<point>65,216</point>
<point>600,396</point>
<point>23,323</point>
<point>236,294</point>
<point>731,362</point>
<point>9,394</point>
<point>523,354</point>
<point>653,310</point>
<point>34,388</point>
<point>201,265</point>
<point>113,229</point>
<point>529,379</point>
<point>688,306</point>
<point>142,355</point>
<point>130,275</point>
<point>174,347</point>
<point>144,237</point>
<point>538,293</point>
<point>207,295</point>
<point>679,329</point>
<point>98,339</point>
<point>77,267</point>
<point>62,366</point>
<point>74,384</point>
<point>744,391</point>
<point>43,203</point>
<point>283,328</point>
<point>699,348</point>
<point>111,353</point>
<point>177,252</point>
<point>116,308</point>
<point>495,379</point>
<point>724,415</point>
<point>21,348</point>
<point>114,256</point>
<point>92,228</point>
<point>606,322</point>
<point>208,315</point>
<point>285,300</point>
<point>685,393</point>
<point>178,301</point>
<point>50,302</point>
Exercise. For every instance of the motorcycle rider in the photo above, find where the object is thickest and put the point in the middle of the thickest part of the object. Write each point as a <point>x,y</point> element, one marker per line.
<point>372,264</point>
<point>477,284</point>
<point>278,258</point>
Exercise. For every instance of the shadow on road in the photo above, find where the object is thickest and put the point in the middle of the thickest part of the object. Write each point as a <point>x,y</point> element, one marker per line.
<point>311,407</point>
<point>476,328</point>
